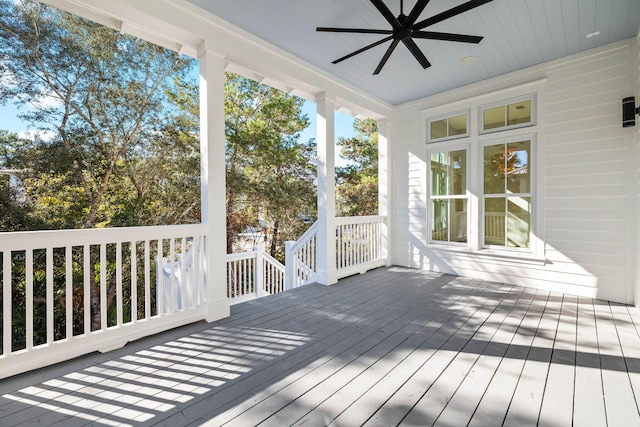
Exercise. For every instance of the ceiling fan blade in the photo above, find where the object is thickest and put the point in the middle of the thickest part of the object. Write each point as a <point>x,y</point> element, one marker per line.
<point>415,12</point>
<point>449,13</point>
<point>386,56</point>
<point>384,10</point>
<point>431,35</point>
<point>417,53</point>
<point>353,30</point>
<point>379,42</point>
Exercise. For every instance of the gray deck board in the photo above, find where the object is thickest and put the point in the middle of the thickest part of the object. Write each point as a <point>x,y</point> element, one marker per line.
<point>620,402</point>
<point>392,347</point>
<point>495,402</point>
<point>589,409</point>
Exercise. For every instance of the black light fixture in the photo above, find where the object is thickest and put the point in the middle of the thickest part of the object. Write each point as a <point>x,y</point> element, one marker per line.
<point>629,111</point>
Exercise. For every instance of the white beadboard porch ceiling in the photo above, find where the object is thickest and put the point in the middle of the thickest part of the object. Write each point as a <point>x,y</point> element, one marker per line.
<point>517,34</point>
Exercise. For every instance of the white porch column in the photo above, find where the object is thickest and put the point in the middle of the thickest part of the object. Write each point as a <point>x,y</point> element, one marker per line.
<point>326,251</point>
<point>212,179</point>
<point>385,186</point>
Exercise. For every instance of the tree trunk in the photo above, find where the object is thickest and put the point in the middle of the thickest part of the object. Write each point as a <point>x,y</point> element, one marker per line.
<point>274,238</point>
<point>229,211</point>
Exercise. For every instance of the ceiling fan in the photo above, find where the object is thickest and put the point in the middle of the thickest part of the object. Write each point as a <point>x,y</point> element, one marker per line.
<point>405,28</point>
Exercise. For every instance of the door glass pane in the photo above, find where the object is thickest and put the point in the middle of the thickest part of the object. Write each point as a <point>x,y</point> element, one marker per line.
<point>458,172</point>
<point>440,220</point>
<point>494,118</point>
<point>439,129</point>
<point>449,173</point>
<point>494,169</point>
<point>439,168</point>
<point>518,221</point>
<point>517,167</point>
<point>458,221</point>
<point>458,125</point>
<point>494,221</point>
<point>519,113</point>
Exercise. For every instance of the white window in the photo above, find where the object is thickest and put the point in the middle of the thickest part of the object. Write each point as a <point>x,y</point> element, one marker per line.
<point>455,125</point>
<point>506,194</point>
<point>482,186</point>
<point>514,113</point>
<point>449,196</point>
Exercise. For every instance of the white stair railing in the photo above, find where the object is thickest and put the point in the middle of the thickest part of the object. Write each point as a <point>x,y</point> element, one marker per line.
<point>300,259</point>
<point>253,275</point>
<point>359,248</point>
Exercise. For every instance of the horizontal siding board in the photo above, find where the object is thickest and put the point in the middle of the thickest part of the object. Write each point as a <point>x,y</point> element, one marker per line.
<point>604,178</point>
<point>588,75</point>
<point>611,121</point>
<point>569,113</point>
<point>557,146</point>
<point>585,225</point>
<point>592,168</point>
<point>582,136</point>
<point>596,64</point>
<point>609,205</point>
<point>595,190</point>
<point>613,85</point>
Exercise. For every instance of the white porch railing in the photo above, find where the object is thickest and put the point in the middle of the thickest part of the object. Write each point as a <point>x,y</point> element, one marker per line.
<point>70,292</point>
<point>359,244</point>
<point>359,248</point>
<point>300,259</point>
<point>253,275</point>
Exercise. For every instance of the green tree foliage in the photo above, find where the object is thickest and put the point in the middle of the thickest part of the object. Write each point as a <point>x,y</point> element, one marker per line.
<point>17,214</point>
<point>269,173</point>
<point>100,94</point>
<point>357,184</point>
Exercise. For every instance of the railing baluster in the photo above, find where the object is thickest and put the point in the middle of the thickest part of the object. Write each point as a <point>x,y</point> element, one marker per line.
<point>7,329</point>
<point>28,259</point>
<point>49,294</point>
<point>186,303</point>
<point>118,273</point>
<point>86,284</point>
<point>134,282</point>
<point>237,279</point>
<point>173,304</point>
<point>160,282</point>
<point>103,286</point>
<point>195,247</point>
<point>68,293</point>
<point>147,280</point>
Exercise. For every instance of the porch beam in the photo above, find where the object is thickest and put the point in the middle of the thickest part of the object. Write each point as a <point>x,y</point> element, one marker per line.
<point>326,255</point>
<point>212,179</point>
<point>385,186</point>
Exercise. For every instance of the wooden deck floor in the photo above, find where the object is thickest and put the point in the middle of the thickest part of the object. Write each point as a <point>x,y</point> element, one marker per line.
<point>393,346</point>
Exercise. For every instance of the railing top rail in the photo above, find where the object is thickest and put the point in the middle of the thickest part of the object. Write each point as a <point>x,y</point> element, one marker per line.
<point>343,220</point>
<point>277,264</point>
<point>24,240</point>
<point>241,255</point>
<point>305,237</point>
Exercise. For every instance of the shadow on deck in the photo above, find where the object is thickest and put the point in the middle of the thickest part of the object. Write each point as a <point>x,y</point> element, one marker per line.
<point>393,346</point>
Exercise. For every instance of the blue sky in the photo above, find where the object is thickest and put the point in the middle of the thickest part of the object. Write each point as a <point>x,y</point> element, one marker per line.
<point>343,128</point>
